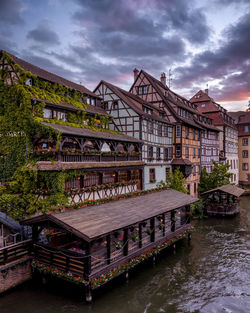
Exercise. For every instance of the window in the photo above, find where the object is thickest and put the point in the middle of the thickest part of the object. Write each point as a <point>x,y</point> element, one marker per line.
<point>178,151</point>
<point>108,177</point>
<point>194,187</point>
<point>245,166</point>
<point>203,105</point>
<point>194,171</point>
<point>150,152</point>
<point>246,129</point>
<point>170,152</point>
<point>150,127</point>
<point>166,154</point>
<point>198,135</point>
<point>115,104</point>
<point>188,188</point>
<point>93,101</point>
<point>165,130</point>
<point>187,132</point>
<point>158,153</point>
<point>105,105</point>
<point>178,131</point>
<point>47,113</point>
<point>88,100</point>
<point>167,173</point>
<point>28,82</point>
<point>193,134</point>
<point>123,176</point>
<point>152,175</point>
<point>73,183</point>
<point>142,90</point>
<point>244,141</point>
<point>186,152</point>
<point>245,153</point>
<point>199,152</point>
<point>160,130</point>
<point>194,152</point>
<point>91,179</point>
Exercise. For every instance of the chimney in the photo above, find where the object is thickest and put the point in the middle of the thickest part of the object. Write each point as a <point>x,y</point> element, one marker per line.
<point>206,91</point>
<point>136,72</point>
<point>163,79</point>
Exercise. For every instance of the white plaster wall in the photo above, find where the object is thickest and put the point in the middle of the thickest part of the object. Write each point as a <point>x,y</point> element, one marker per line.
<point>160,174</point>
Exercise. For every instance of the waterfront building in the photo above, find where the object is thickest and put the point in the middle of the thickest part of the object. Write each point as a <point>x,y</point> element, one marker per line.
<point>73,135</point>
<point>91,246</point>
<point>243,126</point>
<point>183,114</point>
<point>138,118</point>
<point>228,136</point>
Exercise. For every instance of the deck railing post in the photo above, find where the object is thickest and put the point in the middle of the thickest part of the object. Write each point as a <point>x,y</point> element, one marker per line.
<point>188,214</point>
<point>173,221</point>
<point>125,248</point>
<point>140,235</point>
<point>152,226</point>
<point>108,248</point>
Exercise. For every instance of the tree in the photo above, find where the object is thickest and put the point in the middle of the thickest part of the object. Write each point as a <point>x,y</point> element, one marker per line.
<point>218,177</point>
<point>176,181</point>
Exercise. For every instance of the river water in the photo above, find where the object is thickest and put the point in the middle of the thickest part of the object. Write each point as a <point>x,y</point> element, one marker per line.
<point>211,275</point>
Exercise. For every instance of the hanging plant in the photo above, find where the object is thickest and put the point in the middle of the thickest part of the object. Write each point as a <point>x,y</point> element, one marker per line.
<point>117,245</point>
<point>149,231</point>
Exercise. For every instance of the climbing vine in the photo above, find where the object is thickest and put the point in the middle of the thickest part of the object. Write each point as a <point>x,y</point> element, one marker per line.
<point>21,114</point>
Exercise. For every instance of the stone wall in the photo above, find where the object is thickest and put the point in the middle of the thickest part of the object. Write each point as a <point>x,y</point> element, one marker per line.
<point>14,274</point>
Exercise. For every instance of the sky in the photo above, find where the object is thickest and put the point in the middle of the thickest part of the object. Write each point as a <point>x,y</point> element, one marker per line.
<point>205,43</point>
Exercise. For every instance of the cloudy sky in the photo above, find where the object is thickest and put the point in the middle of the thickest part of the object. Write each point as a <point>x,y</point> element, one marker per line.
<point>201,41</point>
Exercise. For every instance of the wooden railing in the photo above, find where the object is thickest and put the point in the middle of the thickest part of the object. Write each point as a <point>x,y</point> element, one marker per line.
<point>99,158</point>
<point>63,261</point>
<point>91,194</point>
<point>15,252</point>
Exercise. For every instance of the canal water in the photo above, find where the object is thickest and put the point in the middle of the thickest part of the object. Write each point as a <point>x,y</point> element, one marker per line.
<point>209,276</point>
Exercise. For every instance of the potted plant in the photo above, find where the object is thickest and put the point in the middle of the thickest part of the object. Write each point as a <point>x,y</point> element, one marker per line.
<point>117,245</point>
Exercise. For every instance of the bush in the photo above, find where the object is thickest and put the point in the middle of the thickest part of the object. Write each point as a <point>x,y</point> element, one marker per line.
<point>197,209</point>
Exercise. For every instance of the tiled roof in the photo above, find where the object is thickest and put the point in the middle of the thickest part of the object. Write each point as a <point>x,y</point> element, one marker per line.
<point>244,119</point>
<point>85,132</point>
<point>157,85</point>
<point>65,105</point>
<point>35,70</point>
<point>129,99</point>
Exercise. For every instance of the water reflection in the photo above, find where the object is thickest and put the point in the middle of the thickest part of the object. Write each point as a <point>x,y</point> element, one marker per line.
<point>209,276</point>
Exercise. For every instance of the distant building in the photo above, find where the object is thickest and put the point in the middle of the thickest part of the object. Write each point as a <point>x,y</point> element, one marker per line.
<point>228,137</point>
<point>244,147</point>
<point>140,119</point>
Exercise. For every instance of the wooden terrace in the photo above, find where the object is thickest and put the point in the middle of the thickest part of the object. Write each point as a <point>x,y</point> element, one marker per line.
<point>92,245</point>
<point>223,201</point>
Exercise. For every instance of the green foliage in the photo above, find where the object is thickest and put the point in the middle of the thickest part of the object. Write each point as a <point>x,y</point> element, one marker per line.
<point>197,209</point>
<point>218,177</point>
<point>176,181</point>
<point>13,205</point>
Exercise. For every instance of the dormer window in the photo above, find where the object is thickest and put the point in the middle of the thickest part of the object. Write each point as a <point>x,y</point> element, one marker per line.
<point>28,82</point>
<point>203,105</point>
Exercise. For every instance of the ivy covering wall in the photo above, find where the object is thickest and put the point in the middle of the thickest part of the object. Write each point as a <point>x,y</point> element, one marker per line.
<point>20,125</point>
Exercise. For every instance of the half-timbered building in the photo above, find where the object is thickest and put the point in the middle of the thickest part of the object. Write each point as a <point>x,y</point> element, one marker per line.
<point>105,162</point>
<point>228,136</point>
<point>138,118</point>
<point>178,110</point>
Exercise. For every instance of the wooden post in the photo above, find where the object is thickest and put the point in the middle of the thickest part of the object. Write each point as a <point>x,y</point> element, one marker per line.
<point>188,214</point>
<point>164,224</point>
<point>88,293</point>
<point>173,221</point>
<point>87,262</point>
<point>108,248</point>
<point>125,242</point>
<point>140,235</point>
<point>152,226</point>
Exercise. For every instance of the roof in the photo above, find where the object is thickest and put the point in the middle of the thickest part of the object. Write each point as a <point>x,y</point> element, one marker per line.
<point>157,85</point>
<point>85,132</point>
<point>93,222</point>
<point>9,222</point>
<point>35,70</point>
<point>65,105</point>
<point>129,99</point>
<point>245,119</point>
<point>64,166</point>
<point>230,189</point>
<point>181,161</point>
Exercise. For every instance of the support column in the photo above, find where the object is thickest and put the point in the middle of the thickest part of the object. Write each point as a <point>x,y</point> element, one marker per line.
<point>140,235</point>
<point>173,221</point>
<point>108,248</point>
<point>125,242</point>
<point>188,214</point>
<point>152,226</point>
